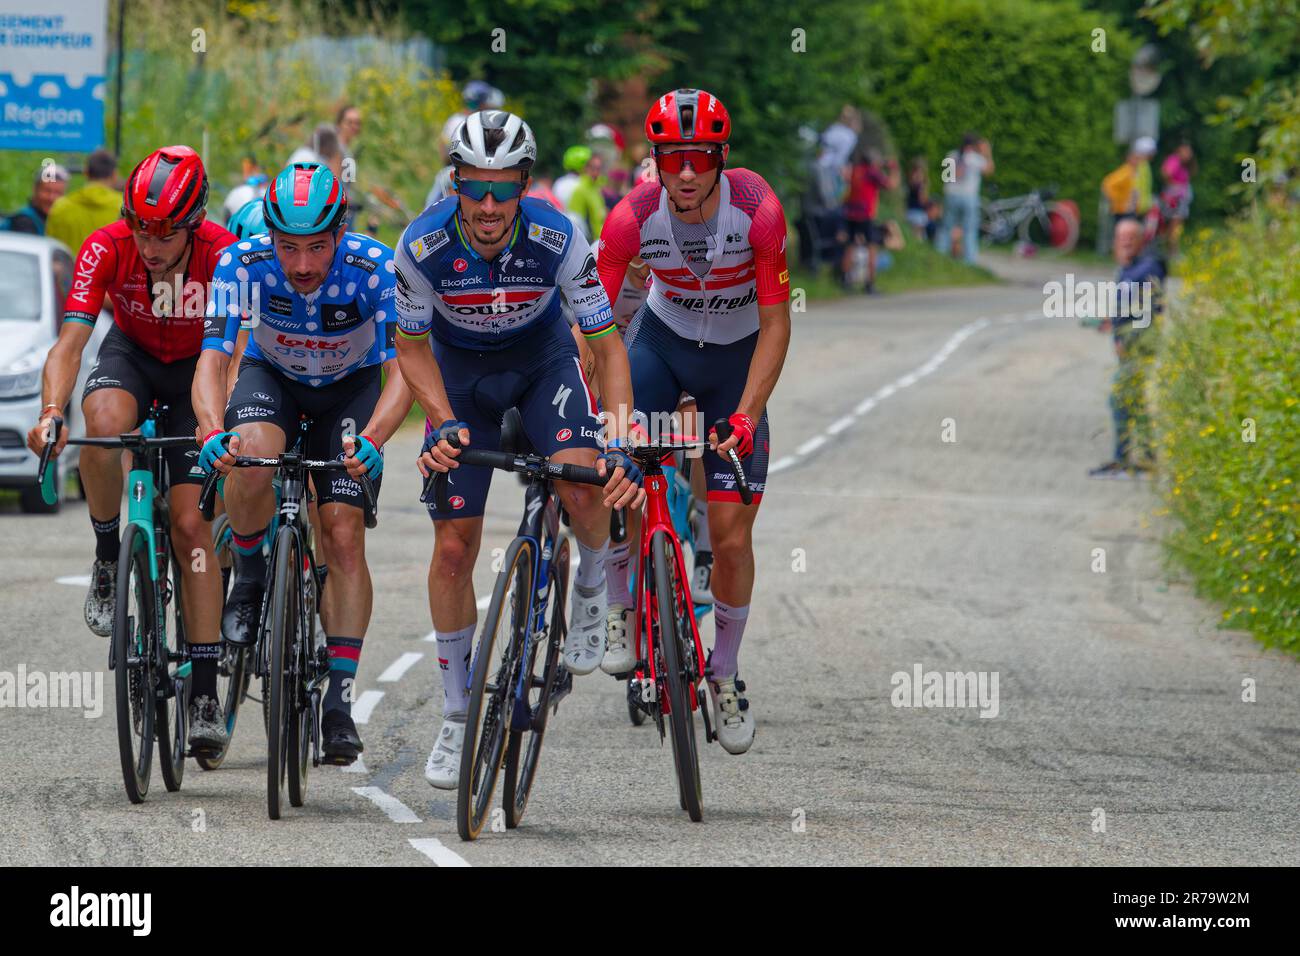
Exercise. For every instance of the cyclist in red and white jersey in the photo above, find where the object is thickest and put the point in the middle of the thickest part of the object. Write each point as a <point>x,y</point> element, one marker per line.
<point>154,265</point>
<point>716,324</point>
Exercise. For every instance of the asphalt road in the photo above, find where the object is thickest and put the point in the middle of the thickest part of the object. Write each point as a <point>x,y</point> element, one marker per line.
<point>882,548</point>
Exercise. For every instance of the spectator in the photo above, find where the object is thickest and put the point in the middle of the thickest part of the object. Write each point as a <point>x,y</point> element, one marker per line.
<point>1177,170</point>
<point>348,123</point>
<point>477,95</point>
<point>575,158</point>
<point>586,201</point>
<point>961,196</point>
<point>324,148</point>
<point>1140,274</point>
<point>841,137</point>
<point>867,176</point>
<point>1128,188</point>
<point>252,186</point>
<point>918,198</point>
<point>75,216</point>
<point>50,185</point>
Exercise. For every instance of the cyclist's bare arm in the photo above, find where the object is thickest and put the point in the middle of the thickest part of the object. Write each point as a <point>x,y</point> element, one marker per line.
<point>208,393</point>
<point>769,357</point>
<point>423,377</point>
<point>587,359</point>
<point>58,380</point>
<point>394,402</point>
<point>615,377</point>
<point>232,369</point>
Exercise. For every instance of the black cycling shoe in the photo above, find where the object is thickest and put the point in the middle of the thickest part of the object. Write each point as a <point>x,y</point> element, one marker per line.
<point>340,742</point>
<point>243,610</point>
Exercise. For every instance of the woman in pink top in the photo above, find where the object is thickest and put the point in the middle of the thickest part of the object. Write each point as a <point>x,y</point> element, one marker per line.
<point>1176,199</point>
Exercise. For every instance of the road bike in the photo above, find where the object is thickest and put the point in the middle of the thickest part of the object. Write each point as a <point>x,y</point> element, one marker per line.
<point>289,657</point>
<point>515,679</point>
<point>1033,218</point>
<point>149,658</point>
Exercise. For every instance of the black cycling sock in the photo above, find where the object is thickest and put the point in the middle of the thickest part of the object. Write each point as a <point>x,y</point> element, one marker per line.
<point>203,671</point>
<point>108,543</point>
<point>250,563</point>
<point>344,653</point>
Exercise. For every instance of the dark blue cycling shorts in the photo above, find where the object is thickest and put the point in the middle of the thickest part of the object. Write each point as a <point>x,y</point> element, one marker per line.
<point>541,376</point>
<point>664,365</point>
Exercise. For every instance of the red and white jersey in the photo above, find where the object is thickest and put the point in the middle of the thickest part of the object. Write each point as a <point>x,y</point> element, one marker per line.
<point>747,268</point>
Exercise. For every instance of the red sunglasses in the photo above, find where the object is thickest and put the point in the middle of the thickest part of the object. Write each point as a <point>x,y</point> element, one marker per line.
<point>701,160</point>
<point>160,228</point>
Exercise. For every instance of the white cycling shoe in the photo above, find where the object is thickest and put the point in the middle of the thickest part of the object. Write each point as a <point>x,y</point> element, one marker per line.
<point>733,721</point>
<point>584,645</point>
<point>618,643</point>
<point>443,767</point>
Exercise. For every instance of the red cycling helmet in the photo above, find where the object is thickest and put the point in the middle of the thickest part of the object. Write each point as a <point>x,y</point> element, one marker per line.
<point>167,191</point>
<point>688,116</point>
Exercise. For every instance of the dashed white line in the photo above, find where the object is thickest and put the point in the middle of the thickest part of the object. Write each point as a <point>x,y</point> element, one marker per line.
<point>434,850</point>
<point>76,580</point>
<point>399,667</point>
<point>365,706</point>
<point>882,393</point>
<point>395,809</point>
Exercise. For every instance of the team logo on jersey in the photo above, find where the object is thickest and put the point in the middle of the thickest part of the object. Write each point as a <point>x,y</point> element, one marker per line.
<point>564,434</point>
<point>552,239</point>
<point>263,397</point>
<point>279,305</point>
<point>456,502</point>
<point>587,278</point>
<point>428,244</point>
<point>784,277</point>
<point>460,265</point>
<point>335,318</point>
<point>257,255</point>
<point>361,262</point>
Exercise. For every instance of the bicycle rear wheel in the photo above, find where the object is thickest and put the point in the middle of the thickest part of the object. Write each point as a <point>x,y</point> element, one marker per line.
<point>542,665</point>
<point>677,649</point>
<point>133,627</point>
<point>278,686</point>
<point>173,716</point>
<point>492,687</point>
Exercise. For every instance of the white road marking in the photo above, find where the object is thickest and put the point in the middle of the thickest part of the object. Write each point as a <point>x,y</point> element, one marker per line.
<point>365,706</point>
<point>396,810</point>
<point>399,667</point>
<point>357,766</point>
<point>882,393</point>
<point>76,580</point>
<point>434,850</point>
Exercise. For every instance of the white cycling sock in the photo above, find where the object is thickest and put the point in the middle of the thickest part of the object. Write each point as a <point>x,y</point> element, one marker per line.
<point>616,573</point>
<point>454,648</point>
<point>591,566</point>
<point>701,528</point>
<point>729,624</point>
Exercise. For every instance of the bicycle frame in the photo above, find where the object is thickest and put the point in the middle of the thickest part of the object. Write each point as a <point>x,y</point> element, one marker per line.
<point>658,517</point>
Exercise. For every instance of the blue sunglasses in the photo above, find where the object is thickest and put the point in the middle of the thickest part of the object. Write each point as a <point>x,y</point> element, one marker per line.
<point>477,189</point>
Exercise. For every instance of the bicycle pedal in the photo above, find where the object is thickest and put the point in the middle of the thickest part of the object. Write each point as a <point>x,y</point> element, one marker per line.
<point>337,760</point>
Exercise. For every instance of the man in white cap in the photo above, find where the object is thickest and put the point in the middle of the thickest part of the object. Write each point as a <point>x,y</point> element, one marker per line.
<point>1129,187</point>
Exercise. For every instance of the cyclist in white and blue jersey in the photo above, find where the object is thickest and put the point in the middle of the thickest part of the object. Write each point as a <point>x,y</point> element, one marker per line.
<point>480,276</point>
<point>317,302</point>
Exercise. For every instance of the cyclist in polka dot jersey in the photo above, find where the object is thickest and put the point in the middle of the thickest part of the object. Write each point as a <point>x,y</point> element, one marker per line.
<point>317,302</point>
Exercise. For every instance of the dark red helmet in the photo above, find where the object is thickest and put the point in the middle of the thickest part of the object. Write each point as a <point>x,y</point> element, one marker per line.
<point>688,116</point>
<point>167,191</point>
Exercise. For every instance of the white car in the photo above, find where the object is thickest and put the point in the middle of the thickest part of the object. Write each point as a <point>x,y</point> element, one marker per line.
<point>35,274</point>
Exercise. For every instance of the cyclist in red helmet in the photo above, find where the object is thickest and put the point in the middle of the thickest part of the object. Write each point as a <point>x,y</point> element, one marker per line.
<point>716,324</point>
<point>154,266</point>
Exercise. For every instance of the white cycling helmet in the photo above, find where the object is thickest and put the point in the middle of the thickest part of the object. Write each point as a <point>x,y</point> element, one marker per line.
<point>493,139</point>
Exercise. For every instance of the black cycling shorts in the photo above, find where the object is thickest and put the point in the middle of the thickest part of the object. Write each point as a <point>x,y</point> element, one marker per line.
<point>340,408</point>
<point>123,364</point>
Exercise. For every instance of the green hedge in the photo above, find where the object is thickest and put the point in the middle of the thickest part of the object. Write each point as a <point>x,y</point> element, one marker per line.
<point>1229,362</point>
<point>1021,74</point>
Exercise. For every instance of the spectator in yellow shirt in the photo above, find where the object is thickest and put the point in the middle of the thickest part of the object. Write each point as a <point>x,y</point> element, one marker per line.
<point>75,216</point>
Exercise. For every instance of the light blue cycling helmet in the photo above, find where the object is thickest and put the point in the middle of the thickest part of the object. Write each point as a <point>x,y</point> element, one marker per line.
<point>248,220</point>
<point>305,199</point>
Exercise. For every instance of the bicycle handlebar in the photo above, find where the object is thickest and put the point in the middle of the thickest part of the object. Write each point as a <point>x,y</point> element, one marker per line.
<point>207,496</point>
<point>435,485</point>
<point>723,428</point>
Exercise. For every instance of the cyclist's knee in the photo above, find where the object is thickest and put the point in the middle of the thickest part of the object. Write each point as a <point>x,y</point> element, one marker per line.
<point>580,499</point>
<point>455,550</point>
<point>343,532</point>
<point>731,535</point>
<point>106,417</point>
<point>189,533</point>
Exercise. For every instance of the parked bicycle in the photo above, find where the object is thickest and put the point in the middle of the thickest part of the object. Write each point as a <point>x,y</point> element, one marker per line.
<point>292,662</point>
<point>150,660</point>
<point>1033,218</point>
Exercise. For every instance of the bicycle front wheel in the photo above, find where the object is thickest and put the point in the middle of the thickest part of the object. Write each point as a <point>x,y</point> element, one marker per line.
<point>676,647</point>
<point>173,716</point>
<point>542,665</point>
<point>492,687</point>
<point>133,634</point>
<point>282,636</point>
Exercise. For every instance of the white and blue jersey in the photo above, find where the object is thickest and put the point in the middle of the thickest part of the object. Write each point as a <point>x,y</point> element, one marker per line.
<point>347,324</point>
<point>446,289</point>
